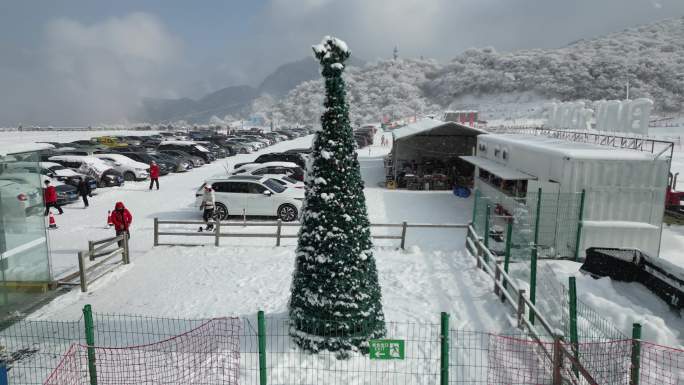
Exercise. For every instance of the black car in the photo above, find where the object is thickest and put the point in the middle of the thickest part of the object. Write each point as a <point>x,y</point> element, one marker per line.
<point>224,144</point>
<point>144,157</point>
<point>195,161</point>
<point>278,157</point>
<point>66,194</point>
<point>289,134</point>
<point>179,165</point>
<point>190,148</point>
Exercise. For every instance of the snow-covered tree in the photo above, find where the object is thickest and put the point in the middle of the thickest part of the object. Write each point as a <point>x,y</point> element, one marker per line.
<point>336,299</point>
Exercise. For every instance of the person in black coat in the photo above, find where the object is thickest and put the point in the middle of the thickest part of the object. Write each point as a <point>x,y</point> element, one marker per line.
<point>84,191</point>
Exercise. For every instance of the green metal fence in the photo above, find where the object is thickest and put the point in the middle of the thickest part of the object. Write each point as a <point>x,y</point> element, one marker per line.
<point>426,353</point>
<point>558,219</point>
<point>554,300</point>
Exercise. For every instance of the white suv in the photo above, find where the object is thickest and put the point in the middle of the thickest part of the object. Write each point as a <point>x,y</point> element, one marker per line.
<point>254,196</point>
<point>131,169</point>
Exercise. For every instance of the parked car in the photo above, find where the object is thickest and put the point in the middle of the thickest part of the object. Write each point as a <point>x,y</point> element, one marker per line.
<point>303,151</point>
<point>286,181</point>
<point>55,171</point>
<point>230,149</point>
<point>217,151</point>
<point>240,147</point>
<point>105,175</point>
<point>278,157</point>
<point>165,166</point>
<point>132,170</point>
<point>108,141</point>
<point>274,168</point>
<point>179,165</point>
<point>255,145</point>
<point>191,148</point>
<point>255,196</point>
<point>289,134</point>
<point>23,197</point>
<point>196,161</point>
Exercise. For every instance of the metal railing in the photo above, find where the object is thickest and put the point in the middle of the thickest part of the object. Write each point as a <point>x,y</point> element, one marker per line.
<point>98,250</point>
<point>645,144</point>
<point>278,225</point>
<point>504,286</point>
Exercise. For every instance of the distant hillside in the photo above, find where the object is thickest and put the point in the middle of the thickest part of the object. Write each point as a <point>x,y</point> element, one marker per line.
<point>290,75</point>
<point>650,57</point>
<point>234,100</point>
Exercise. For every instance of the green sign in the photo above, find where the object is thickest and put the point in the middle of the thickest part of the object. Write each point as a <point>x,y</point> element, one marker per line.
<point>386,349</point>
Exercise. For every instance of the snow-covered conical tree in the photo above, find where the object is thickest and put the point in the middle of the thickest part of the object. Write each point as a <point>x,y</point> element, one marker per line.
<point>336,300</point>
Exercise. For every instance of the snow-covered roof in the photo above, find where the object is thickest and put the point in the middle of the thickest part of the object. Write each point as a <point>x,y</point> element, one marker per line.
<point>428,124</point>
<point>575,150</point>
<point>122,159</point>
<point>93,162</point>
<point>18,148</point>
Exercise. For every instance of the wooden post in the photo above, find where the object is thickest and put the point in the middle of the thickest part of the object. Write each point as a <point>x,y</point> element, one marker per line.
<point>403,234</point>
<point>217,231</point>
<point>126,250</point>
<point>507,254</point>
<point>497,278</point>
<point>82,271</point>
<point>521,309</point>
<point>91,250</point>
<point>280,224</point>
<point>557,361</point>
<point>156,231</point>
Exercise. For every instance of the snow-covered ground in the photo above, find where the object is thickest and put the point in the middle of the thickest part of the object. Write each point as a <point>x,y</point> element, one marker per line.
<point>245,274</point>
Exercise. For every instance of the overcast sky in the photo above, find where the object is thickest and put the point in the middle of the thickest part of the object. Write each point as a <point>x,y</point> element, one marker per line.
<point>90,62</point>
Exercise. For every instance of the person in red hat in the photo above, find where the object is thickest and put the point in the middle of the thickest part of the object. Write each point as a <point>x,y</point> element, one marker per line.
<point>121,218</point>
<point>50,198</point>
<point>154,174</point>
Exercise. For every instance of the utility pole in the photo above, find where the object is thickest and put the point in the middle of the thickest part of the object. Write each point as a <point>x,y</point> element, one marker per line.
<point>627,89</point>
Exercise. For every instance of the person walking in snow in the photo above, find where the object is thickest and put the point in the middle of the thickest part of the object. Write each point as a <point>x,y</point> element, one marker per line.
<point>84,191</point>
<point>208,204</point>
<point>50,198</point>
<point>154,174</point>
<point>122,219</point>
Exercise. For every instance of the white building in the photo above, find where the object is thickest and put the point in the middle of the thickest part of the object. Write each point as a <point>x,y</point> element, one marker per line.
<point>624,188</point>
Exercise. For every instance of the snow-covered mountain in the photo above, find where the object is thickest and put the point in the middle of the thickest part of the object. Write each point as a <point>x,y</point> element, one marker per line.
<point>649,57</point>
<point>501,85</point>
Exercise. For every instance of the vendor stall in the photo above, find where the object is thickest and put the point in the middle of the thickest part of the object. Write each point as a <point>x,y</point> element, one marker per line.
<point>426,155</point>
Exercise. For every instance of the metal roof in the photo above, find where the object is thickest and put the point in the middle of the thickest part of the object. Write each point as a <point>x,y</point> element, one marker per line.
<point>428,124</point>
<point>497,169</point>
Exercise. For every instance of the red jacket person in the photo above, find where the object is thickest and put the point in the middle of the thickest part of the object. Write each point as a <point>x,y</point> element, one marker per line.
<point>50,198</point>
<point>154,174</point>
<point>121,218</point>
